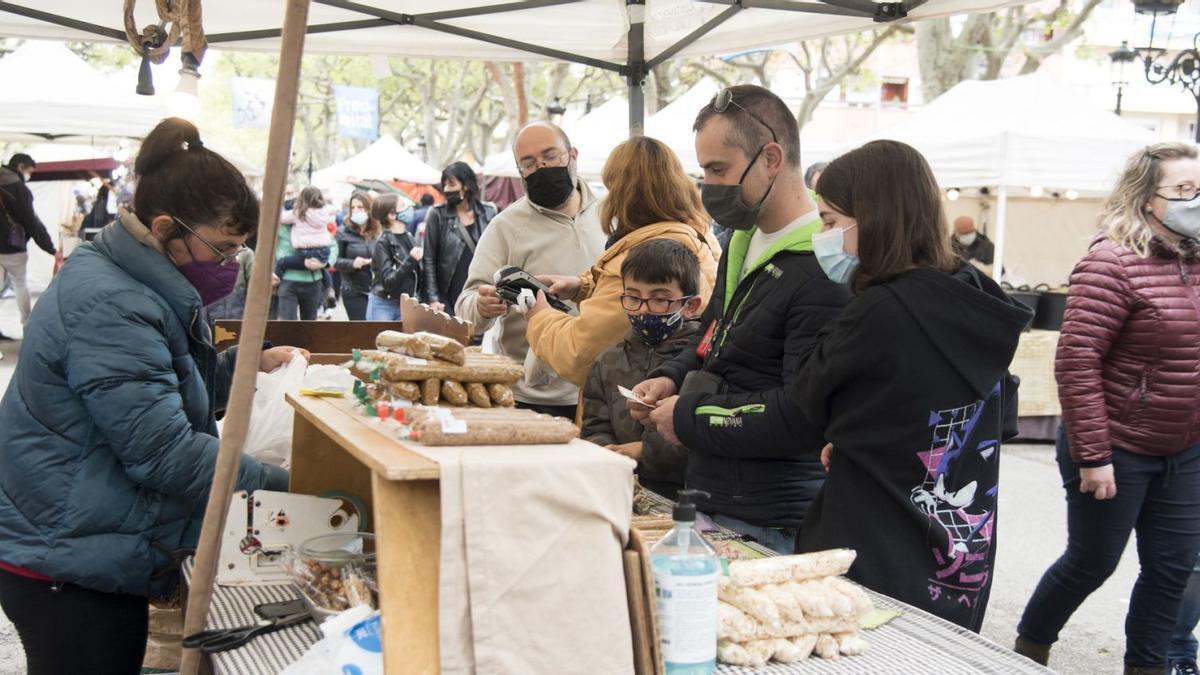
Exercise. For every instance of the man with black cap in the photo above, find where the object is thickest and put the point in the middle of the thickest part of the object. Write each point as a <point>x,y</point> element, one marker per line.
<point>18,223</point>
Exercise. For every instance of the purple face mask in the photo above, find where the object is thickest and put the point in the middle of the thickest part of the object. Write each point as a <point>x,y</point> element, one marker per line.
<point>212,279</point>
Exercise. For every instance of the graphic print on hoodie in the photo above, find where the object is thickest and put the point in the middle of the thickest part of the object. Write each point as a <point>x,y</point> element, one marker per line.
<point>959,496</point>
<point>907,387</point>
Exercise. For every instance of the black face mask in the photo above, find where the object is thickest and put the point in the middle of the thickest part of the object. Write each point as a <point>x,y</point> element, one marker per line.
<point>453,199</point>
<point>726,203</point>
<point>550,186</point>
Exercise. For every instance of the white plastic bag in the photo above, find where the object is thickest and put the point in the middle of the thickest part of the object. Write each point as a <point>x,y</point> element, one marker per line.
<point>329,376</point>
<point>351,644</point>
<point>269,438</point>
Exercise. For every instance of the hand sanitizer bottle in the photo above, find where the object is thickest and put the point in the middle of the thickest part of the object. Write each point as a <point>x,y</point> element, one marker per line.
<point>685,571</point>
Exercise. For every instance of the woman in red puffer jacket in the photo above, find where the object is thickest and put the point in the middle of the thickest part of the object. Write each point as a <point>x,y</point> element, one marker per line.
<point>1128,370</point>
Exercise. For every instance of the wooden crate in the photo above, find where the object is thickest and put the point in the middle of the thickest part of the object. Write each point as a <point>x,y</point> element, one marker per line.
<point>326,337</point>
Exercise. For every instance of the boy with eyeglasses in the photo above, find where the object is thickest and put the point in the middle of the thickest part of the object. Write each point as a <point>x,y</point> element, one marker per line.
<point>662,280</point>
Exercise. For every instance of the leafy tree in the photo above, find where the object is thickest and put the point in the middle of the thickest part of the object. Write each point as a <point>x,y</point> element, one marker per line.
<point>987,42</point>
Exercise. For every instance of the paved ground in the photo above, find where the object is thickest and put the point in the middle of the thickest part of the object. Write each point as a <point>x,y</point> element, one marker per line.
<point>1032,533</point>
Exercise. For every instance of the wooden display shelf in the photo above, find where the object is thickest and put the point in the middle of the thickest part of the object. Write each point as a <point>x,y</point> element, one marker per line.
<point>334,449</point>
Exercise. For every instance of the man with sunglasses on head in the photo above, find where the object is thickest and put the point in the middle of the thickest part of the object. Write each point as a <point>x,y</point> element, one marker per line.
<point>553,230</point>
<point>724,399</point>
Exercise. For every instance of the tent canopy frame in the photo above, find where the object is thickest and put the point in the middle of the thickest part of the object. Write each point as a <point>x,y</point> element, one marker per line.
<point>635,70</point>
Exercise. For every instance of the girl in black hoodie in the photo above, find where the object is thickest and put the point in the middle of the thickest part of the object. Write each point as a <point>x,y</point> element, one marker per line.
<point>909,386</point>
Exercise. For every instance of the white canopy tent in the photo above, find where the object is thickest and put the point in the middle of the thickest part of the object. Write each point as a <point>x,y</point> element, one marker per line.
<point>1021,132</point>
<point>673,124</point>
<point>49,93</point>
<point>500,165</point>
<point>385,159</point>
<point>629,37</point>
<point>594,135</point>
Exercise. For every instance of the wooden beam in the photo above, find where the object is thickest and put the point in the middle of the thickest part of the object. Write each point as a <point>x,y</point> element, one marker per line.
<point>258,302</point>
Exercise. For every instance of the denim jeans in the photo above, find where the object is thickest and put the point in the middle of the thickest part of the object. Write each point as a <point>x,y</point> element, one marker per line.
<point>1159,497</point>
<point>14,265</point>
<point>1183,639</point>
<point>782,540</point>
<point>382,309</point>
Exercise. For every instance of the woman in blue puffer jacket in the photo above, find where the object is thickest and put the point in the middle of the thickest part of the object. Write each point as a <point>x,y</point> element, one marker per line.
<point>107,433</point>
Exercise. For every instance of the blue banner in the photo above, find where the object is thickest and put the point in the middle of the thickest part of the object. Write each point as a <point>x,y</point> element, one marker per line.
<point>357,112</point>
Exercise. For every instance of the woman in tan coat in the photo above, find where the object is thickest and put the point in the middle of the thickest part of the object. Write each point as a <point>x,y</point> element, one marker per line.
<point>649,197</point>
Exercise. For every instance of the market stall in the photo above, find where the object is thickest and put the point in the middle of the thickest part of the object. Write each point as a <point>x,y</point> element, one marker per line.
<point>52,94</point>
<point>1019,133</point>
<point>410,501</point>
<point>385,159</point>
<point>336,447</point>
<point>441,515</point>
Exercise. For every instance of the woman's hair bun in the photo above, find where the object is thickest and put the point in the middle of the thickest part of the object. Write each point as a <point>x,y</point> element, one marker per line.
<point>172,135</point>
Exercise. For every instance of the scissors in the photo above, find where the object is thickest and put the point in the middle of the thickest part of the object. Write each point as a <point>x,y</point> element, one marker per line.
<point>223,639</point>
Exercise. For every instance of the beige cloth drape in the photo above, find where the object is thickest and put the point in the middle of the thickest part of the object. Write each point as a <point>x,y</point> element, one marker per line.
<point>531,577</point>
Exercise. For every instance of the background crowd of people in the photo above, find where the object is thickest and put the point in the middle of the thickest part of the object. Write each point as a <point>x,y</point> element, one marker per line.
<point>831,371</point>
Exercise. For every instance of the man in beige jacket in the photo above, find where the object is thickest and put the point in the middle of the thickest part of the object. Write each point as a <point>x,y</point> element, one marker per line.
<point>553,230</point>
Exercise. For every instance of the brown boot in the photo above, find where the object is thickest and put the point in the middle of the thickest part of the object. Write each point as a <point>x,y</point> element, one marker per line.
<point>1145,670</point>
<point>1036,652</point>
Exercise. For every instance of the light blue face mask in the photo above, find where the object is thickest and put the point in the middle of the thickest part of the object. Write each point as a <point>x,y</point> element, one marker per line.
<point>829,247</point>
<point>405,216</point>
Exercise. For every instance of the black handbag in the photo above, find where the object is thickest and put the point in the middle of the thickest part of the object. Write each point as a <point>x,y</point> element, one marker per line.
<point>11,232</point>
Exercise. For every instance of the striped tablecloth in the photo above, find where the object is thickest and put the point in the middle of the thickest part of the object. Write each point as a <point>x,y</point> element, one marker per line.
<point>914,642</point>
<point>233,606</point>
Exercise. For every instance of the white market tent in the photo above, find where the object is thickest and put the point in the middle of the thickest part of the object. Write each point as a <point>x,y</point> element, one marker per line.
<point>1020,132</point>
<point>629,37</point>
<point>673,124</point>
<point>49,93</point>
<point>500,165</point>
<point>385,159</point>
<point>594,135</point>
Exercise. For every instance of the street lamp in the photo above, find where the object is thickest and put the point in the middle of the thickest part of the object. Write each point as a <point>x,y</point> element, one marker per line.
<point>556,108</point>
<point>1119,58</point>
<point>1184,69</point>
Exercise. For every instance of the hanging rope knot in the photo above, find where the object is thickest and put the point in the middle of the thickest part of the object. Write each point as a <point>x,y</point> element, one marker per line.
<point>154,42</point>
<point>193,145</point>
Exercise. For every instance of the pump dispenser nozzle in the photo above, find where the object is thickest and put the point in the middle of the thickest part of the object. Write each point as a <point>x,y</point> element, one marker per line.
<point>685,508</point>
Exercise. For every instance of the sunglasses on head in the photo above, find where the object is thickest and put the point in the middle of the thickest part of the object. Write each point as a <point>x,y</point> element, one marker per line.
<point>724,99</point>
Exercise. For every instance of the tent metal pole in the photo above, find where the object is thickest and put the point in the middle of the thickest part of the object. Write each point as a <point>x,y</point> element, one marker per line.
<point>517,45</point>
<point>690,38</point>
<point>258,300</point>
<point>1001,226</point>
<point>67,22</point>
<point>267,33</point>
<point>637,107</point>
<point>788,6</point>
<point>424,21</point>
<point>635,76</point>
<point>494,9</point>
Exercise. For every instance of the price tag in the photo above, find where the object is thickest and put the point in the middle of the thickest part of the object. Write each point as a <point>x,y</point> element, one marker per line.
<point>454,426</point>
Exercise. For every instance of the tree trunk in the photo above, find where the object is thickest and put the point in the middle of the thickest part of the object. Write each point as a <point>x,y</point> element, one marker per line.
<point>522,98</point>
<point>944,59</point>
